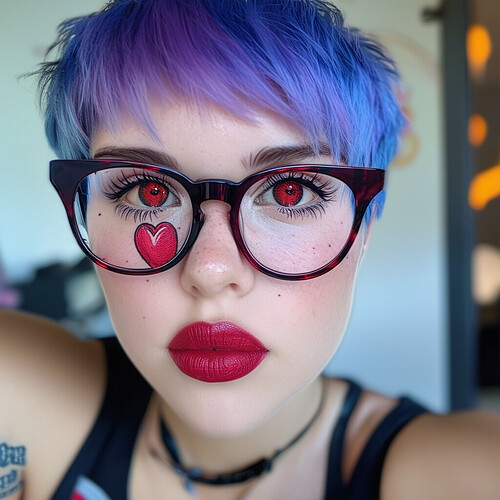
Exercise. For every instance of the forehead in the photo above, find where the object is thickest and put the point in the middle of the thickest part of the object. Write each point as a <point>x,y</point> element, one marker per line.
<point>208,142</point>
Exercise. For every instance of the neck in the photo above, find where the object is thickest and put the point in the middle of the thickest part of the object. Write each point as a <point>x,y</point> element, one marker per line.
<point>216,455</point>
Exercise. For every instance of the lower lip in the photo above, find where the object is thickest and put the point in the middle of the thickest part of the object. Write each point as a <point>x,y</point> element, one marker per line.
<point>218,352</point>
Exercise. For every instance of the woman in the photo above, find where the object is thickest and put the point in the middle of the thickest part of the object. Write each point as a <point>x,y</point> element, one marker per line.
<point>226,165</point>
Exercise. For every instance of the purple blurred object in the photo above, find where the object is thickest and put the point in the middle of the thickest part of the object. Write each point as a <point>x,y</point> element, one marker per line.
<point>9,298</point>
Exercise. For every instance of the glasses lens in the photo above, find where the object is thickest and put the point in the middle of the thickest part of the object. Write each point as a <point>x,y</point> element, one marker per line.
<point>296,222</point>
<point>133,218</point>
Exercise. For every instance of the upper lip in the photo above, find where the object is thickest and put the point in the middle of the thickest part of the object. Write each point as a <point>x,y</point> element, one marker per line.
<point>224,336</point>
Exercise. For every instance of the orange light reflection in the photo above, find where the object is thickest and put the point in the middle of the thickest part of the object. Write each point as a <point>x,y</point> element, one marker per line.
<point>484,187</point>
<point>478,48</point>
<point>478,130</point>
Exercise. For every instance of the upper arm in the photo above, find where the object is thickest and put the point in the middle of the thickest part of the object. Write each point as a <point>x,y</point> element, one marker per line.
<point>51,386</point>
<point>440,457</point>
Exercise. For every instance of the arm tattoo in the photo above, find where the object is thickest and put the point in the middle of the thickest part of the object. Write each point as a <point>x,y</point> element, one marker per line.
<point>12,455</point>
<point>12,481</point>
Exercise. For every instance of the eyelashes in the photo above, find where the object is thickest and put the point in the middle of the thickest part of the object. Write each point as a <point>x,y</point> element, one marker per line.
<point>298,195</point>
<point>145,196</point>
<point>137,214</point>
<point>120,186</point>
<point>143,208</point>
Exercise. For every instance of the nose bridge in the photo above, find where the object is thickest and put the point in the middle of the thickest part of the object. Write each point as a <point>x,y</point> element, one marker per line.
<point>215,262</point>
<point>215,190</point>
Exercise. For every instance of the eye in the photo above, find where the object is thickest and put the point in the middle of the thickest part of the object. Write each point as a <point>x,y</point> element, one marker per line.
<point>288,193</point>
<point>153,194</point>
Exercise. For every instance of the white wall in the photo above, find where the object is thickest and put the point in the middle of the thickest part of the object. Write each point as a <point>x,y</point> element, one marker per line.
<point>397,339</point>
<point>33,227</point>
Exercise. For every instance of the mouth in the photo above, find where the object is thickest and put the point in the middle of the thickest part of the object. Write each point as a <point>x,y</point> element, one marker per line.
<point>218,352</point>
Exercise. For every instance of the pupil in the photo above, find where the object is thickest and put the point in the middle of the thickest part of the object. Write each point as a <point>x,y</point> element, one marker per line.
<point>287,193</point>
<point>153,194</point>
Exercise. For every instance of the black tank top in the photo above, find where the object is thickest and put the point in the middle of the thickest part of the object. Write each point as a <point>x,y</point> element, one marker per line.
<point>100,470</point>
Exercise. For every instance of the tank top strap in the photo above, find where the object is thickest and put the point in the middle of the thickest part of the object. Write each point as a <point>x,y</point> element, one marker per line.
<point>364,483</point>
<point>334,484</point>
<point>365,480</point>
<point>105,457</point>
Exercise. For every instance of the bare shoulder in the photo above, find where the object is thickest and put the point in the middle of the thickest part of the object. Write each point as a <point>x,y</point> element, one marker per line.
<point>46,363</point>
<point>445,456</point>
<point>52,385</point>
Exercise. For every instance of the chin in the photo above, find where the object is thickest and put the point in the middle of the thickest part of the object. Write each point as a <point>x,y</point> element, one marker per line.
<point>224,410</point>
<point>221,421</point>
<point>220,426</point>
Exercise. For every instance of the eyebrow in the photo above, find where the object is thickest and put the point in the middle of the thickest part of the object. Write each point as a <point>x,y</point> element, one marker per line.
<point>139,155</point>
<point>267,157</point>
<point>284,155</point>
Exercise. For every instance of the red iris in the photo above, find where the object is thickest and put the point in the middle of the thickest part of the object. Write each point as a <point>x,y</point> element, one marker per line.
<point>153,194</point>
<point>288,193</point>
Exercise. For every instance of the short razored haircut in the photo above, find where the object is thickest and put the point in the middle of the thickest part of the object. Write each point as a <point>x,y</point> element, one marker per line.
<point>294,57</point>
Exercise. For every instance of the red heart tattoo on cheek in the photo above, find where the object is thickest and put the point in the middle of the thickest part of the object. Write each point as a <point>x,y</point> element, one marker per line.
<point>156,244</point>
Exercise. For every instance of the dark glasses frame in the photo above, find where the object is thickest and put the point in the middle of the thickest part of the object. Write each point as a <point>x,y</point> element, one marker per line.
<point>365,183</point>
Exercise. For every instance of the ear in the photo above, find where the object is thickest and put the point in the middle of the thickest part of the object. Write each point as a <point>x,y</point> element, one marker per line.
<point>368,232</point>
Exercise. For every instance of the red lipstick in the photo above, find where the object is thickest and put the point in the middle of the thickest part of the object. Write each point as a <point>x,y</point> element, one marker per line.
<point>217,352</point>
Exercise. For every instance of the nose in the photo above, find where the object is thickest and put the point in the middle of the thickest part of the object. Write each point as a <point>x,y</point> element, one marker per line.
<point>214,265</point>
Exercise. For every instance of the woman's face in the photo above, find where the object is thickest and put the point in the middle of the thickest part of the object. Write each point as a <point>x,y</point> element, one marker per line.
<point>300,323</point>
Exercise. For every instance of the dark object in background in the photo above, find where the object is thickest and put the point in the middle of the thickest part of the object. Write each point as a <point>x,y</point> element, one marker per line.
<point>45,293</point>
<point>70,295</point>
<point>489,355</point>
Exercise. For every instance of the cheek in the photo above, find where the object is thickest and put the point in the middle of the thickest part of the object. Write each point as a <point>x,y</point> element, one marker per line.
<point>139,308</point>
<point>311,316</point>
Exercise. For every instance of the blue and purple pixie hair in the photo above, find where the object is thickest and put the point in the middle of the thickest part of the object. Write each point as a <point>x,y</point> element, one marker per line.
<point>293,57</point>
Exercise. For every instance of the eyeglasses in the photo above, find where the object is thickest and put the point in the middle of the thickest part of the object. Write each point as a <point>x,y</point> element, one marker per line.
<point>292,222</point>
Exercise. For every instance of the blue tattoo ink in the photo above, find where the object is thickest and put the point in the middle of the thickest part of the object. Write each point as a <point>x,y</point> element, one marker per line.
<point>10,481</point>
<point>15,488</point>
<point>12,455</point>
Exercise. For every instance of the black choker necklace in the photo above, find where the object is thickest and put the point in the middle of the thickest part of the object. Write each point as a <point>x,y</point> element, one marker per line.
<point>254,470</point>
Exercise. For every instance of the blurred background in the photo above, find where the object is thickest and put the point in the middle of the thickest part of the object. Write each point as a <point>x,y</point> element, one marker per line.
<point>426,317</point>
